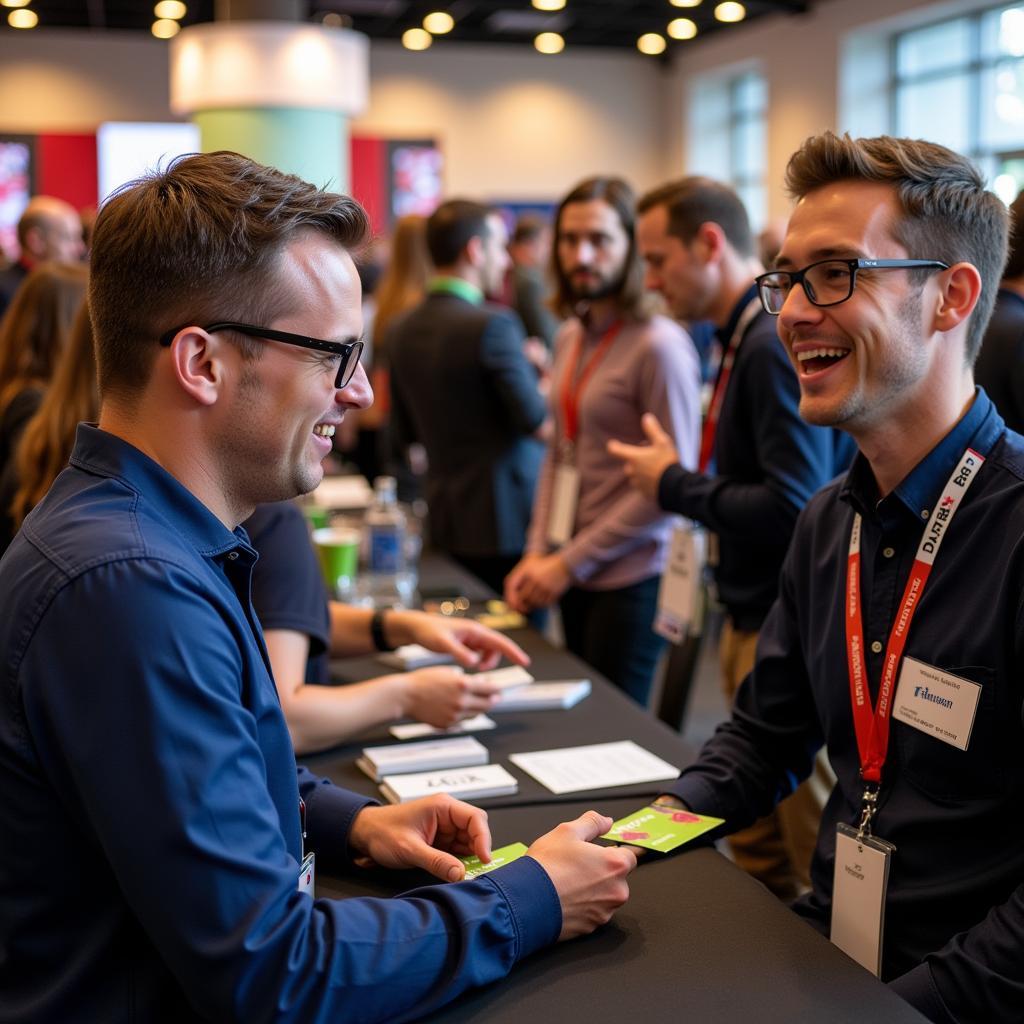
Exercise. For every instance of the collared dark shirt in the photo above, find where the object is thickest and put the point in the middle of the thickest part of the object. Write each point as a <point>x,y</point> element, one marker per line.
<point>954,915</point>
<point>1000,365</point>
<point>149,795</point>
<point>767,464</point>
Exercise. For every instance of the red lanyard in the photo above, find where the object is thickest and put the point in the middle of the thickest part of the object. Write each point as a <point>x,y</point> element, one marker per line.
<point>707,437</point>
<point>873,727</point>
<point>570,393</point>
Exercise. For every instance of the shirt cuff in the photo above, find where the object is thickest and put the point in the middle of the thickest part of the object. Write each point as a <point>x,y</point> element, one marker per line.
<point>330,811</point>
<point>669,487</point>
<point>533,902</point>
<point>917,987</point>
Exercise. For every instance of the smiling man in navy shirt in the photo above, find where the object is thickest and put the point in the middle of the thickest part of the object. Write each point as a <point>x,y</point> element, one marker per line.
<point>898,635</point>
<point>149,803</point>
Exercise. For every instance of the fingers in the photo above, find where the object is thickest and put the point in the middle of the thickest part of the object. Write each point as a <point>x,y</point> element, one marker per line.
<point>653,430</point>
<point>626,452</point>
<point>490,641</point>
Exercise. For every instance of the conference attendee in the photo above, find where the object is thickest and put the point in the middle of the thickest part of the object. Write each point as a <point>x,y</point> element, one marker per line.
<point>1000,366</point>
<point>156,828</point>
<point>897,638</point>
<point>461,387</point>
<point>596,545</point>
<point>302,630</point>
<point>759,463</point>
<point>49,230</point>
<point>46,442</point>
<point>530,250</point>
<point>32,335</point>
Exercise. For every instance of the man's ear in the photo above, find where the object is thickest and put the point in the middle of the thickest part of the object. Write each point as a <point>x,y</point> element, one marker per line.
<point>197,360</point>
<point>710,241</point>
<point>959,289</point>
<point>35,243</point>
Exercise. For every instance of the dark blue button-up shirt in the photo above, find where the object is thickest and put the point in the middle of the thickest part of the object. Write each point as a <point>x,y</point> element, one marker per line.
<point>956,892</point>
<point>149,799</point>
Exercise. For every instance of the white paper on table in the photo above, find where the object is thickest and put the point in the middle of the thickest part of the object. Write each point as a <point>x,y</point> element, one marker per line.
<point>417,730</point>
<point>594,766</point>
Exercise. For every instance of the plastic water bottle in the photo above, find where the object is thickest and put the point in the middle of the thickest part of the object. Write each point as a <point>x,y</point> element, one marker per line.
<point>385,546</point>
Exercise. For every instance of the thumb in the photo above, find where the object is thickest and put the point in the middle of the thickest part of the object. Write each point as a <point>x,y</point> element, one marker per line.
<point>652,428</point>
<point>589,825</point>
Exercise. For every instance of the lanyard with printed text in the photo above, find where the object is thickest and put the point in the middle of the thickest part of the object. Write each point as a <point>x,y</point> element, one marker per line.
<point>872,728</point>
<point>707,437</point>
<point>575,380</point>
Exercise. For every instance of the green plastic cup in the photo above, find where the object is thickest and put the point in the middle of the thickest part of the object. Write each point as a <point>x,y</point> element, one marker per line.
<point>338,548</point>
<point>317,517</point>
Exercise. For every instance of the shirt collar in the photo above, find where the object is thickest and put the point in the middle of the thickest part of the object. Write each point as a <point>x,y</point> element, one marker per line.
<point>979,428</point>
<point>724,334</point>
<point>104,454</point>
<point>456,286</point>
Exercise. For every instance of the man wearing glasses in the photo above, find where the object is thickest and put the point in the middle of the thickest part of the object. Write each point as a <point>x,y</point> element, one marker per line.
<point>157,835</point>
<point>898,636</point>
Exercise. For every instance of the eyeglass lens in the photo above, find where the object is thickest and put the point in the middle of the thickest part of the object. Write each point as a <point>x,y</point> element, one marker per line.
<point>825,283</point>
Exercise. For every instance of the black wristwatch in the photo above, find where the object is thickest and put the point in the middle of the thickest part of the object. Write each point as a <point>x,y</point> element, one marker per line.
<point>377,631</point>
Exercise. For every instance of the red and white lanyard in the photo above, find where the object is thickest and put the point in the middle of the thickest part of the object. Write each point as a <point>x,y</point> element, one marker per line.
<point>574,381</point>
<point>707,437</point>
<point>872,728</point>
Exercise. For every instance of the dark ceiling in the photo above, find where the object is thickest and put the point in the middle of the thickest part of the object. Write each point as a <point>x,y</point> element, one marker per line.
<point>583,23</point>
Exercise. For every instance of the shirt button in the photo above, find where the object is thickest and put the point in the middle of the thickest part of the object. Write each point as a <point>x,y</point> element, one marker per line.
<point>232,555</point>
<point>888,552</point>
<point>924,513</point>
<point>876,646</point>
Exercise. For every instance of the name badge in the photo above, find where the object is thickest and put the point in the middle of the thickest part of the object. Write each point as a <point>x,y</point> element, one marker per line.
<point>936,702</point>
<point>679,591</point>
<point>858,896</point>
<point>564,496</point>
<point>307,876</point>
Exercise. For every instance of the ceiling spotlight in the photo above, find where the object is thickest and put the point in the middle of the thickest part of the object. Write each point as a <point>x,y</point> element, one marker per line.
<point>173,9</point>
<point>548,5</point>
<point>416,39</point>
<point>438,22</point>
<point>23,19</point>
<point>165,28</point>
<point>549,42</point>
<point>14,3</point>
<point>651,43</point>
<point>730,10</point>
<point>685,3</point>
<point>682,28</point>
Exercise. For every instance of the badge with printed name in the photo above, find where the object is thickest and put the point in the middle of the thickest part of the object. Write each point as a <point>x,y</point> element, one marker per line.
<point>307,876</point>
<point>565,492</point>
<point>936,702</point>
<point>858,896</point>
<point>679,591</point>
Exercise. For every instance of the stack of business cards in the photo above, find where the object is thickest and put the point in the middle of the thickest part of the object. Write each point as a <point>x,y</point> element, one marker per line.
<point>505,678</point>
<point>428,756</point>
<point>413,656</point>
<point>417,730</point>
<point>463,783</point>
<point>543,696</point>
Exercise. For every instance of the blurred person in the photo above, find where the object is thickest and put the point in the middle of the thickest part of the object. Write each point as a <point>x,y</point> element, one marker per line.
<point>49,230</point>
<point>462,387</point>
<point>595,545</point>
<point>49,435</point>
<point>32,335</point>
<point>1000,365</point>
<point>769,241</point>
<point>759,465</point>
<point>135,677</point>
<point>530,252</point>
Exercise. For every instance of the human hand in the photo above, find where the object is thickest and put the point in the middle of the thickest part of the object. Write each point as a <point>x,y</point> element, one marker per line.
<point>431,834</point>
<point>537,355</point>
<point>536,582</point>
<point>469,643</point>
<point>443,695</point>
<point>645,464</point>
<point>590,880</point>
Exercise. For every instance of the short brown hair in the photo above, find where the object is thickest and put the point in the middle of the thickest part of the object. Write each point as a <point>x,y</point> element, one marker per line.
<point>948,213</point>
<point>619,196</point>
<point>196,242</point>
<point>693,201</point>
<point>451,226</point>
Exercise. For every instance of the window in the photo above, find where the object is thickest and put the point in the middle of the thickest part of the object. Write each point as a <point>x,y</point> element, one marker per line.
<point>961,83</point>
<point>728,136</point>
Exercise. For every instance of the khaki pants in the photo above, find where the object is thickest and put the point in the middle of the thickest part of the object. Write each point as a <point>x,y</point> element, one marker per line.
<point>776,849</point>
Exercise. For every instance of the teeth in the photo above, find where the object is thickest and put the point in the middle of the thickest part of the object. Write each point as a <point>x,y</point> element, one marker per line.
<point>324,429</point>
<point>820,353</point>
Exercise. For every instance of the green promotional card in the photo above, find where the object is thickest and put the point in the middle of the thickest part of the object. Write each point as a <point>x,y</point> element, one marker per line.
<point>660,828</point>
<point>507,854</point>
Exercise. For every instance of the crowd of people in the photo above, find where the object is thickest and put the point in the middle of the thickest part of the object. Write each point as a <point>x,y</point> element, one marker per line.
<point>165,628</point>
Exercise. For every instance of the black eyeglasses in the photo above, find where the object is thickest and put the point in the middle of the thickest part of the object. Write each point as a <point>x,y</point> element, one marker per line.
<point>349,351</point>
<point>827,282</point>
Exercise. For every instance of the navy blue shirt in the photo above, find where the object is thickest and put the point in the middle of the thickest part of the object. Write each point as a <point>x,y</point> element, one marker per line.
<point>288,589</point>
<point>956,892</point>
<point>767,464</point>
<point>149,795</point>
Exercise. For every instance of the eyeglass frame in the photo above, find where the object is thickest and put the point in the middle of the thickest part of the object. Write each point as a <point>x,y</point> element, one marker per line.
<point>345,349</point>
<point>797,277</point>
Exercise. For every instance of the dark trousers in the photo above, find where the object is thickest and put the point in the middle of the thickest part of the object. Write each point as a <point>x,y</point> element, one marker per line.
<point>611,630</point>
